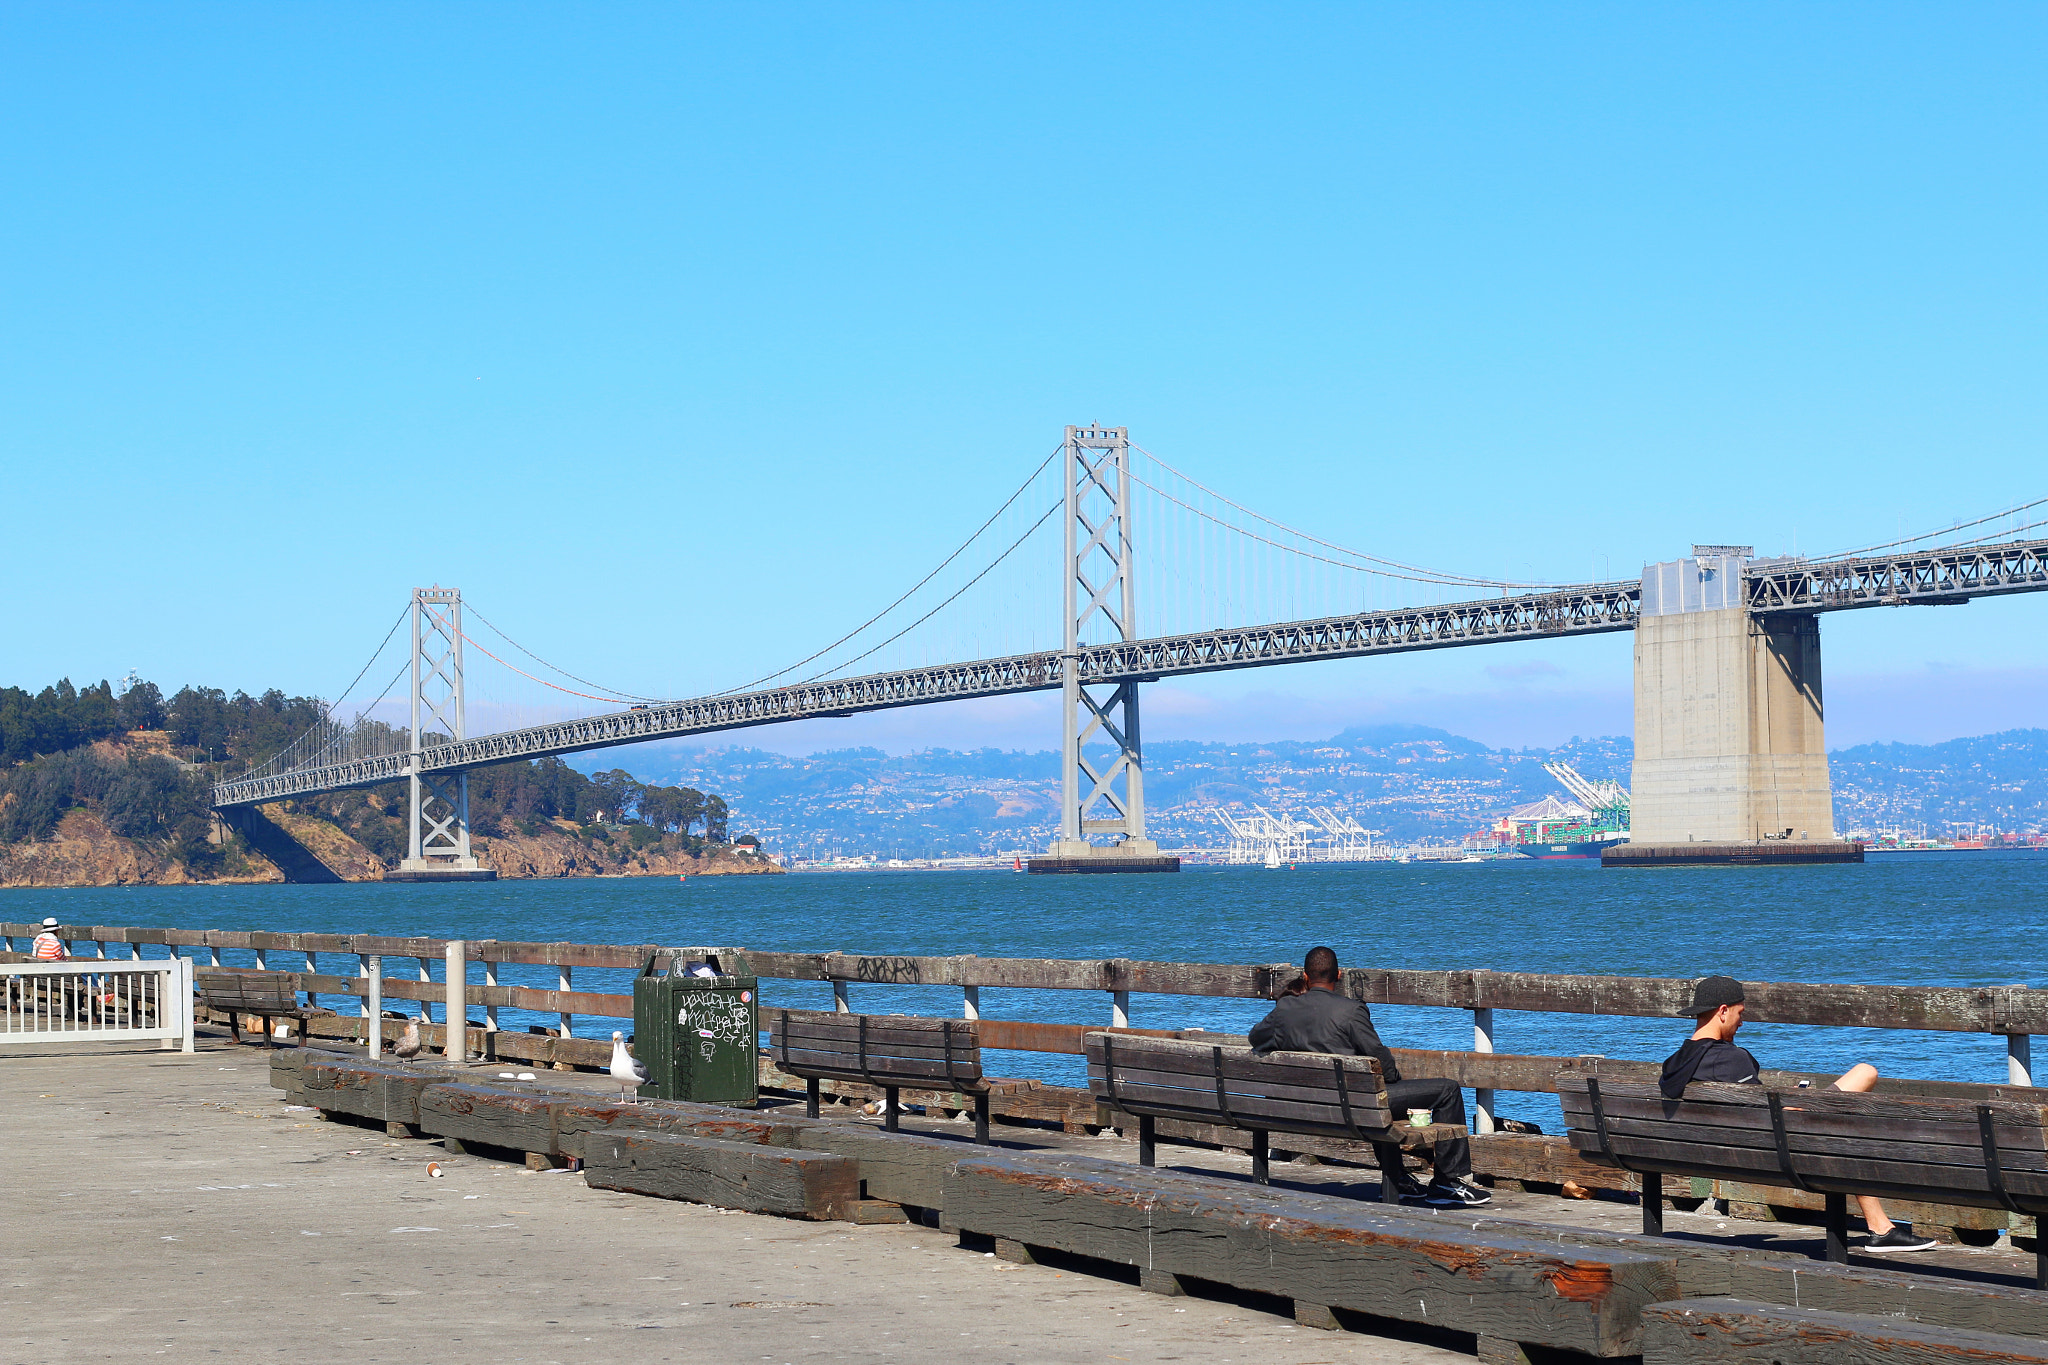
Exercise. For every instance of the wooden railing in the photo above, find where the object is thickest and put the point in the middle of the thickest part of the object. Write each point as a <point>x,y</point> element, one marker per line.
<point>2013,1012</point>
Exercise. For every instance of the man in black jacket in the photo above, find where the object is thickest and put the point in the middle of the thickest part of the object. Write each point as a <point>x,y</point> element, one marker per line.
<point>1324,1019</point>
<point>1711,1055</point>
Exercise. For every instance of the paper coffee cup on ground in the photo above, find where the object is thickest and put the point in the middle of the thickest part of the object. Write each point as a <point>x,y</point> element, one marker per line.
<point>1419,1118</point>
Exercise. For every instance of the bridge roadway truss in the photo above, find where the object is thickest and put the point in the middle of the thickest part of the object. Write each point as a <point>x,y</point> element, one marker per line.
<point>1931,578</point>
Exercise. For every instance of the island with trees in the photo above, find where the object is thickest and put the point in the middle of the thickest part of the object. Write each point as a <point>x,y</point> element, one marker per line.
<point>100,786</point>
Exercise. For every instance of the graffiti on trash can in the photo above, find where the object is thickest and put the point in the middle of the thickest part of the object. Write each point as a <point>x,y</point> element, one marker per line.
<point>714,1019</point>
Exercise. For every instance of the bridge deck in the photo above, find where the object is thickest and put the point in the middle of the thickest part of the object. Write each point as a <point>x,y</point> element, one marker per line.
<point>1796,586</point>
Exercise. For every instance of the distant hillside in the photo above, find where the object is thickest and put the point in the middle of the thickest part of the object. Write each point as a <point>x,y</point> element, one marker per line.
<point>1997,779</point>
<point>1410,781</point>
<point>103,788</point>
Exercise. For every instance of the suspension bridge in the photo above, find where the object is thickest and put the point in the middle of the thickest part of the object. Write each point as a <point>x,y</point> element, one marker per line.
<point>1727,661</point>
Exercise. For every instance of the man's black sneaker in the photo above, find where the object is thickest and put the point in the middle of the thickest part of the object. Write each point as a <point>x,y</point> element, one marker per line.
<point>1408,1187</point>
<point>1456,1194</point>
<point>1900,1237</point>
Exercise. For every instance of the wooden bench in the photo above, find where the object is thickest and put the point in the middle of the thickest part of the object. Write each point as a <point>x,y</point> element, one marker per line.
<point>886,1050</point>
<point>1310,1093</point>
<point>1981,1155</point>
<point>267,995</point>
<point>1731,1331</point>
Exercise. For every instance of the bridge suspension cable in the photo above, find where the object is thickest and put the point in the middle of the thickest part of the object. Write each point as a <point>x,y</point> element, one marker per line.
<point>1208,560</point>
<point>916,587</point>
<point>949,601</point>
<point>614,693</point>
<point>1950,530</point>
<point>329,741</point>
<point>468,639</point>
<point>1419,576</point>
<point>1390,568</point>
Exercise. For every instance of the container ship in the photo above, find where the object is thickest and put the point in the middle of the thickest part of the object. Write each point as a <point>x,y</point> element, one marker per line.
<point>1555,830</point>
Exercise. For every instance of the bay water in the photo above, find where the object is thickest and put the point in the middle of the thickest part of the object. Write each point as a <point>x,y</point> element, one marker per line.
<point>1967,918</point>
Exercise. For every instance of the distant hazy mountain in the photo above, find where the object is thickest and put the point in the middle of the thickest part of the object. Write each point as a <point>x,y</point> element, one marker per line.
<point>1997,779</point>
<point>1410,781</point>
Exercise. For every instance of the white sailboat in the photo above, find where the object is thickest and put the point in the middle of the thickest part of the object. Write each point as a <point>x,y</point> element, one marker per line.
<point>1272,856</point>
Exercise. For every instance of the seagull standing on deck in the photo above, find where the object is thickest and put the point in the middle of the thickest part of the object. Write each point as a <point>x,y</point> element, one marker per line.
<point>626,1069</point>
<point>408,1046</point>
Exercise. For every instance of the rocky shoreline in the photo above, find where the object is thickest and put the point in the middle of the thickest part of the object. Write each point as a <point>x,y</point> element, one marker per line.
<point>84,852</point>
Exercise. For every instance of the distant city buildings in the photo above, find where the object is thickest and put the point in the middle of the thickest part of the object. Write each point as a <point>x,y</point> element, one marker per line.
<point>1411,786</point>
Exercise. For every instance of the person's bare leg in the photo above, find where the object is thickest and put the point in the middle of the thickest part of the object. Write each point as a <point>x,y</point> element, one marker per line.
<point>1858,1080</point>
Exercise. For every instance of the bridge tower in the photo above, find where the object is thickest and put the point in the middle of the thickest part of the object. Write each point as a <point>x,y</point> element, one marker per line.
<point>438,820</point>
<point>1102,767</point>
<point>1730,762</point>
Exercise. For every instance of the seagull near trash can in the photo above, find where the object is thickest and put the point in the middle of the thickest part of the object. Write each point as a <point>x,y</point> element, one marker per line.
<point>626,1069</point>
<point>408,1045</point>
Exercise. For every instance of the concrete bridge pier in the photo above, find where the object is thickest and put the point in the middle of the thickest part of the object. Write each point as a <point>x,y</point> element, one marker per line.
<point>1730,760</point>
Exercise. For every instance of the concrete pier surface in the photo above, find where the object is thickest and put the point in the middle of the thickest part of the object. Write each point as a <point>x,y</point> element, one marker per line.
<point>171,1207</point>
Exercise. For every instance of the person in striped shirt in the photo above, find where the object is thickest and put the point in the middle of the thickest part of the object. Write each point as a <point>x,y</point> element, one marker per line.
<point>47,946</point>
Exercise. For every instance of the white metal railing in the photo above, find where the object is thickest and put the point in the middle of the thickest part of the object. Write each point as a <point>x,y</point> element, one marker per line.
<point>97,1000</point>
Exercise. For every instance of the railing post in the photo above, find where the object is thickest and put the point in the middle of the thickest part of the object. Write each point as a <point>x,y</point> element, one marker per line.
<point>1482,1096</point>
<point>375,1004</point>
<point>185,1005</point>
<point>1119,1009</point>
<point>456,1026</point>
<point>362,973</point>
<point>426,1006</point>
<point>970,1005</point>
<point>568,1020</point>
<point>213,955</point>
<point>490,1009</point>
<point>262,959</point>
<point>2019,1052</point>
<point>839,1001</point>
<point>312,969</point>
<point>167,1014</point>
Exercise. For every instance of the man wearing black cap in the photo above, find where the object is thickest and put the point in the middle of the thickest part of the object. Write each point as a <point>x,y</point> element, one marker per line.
<point>1711,1055</point>
<point>1321,1018</point>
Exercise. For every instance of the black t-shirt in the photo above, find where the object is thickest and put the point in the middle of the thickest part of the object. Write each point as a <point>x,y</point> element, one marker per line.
<point>1707,1059</point>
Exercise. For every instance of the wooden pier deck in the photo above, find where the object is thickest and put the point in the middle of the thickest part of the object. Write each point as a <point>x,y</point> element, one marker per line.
<point>185,1207</point>
<point>164,1207</point>
<point>182,1206</point>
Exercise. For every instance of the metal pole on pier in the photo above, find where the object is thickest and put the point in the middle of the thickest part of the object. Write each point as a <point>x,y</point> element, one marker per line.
<point>1482,1098</point>
<point>375,966</point>
<point>456,1042</point>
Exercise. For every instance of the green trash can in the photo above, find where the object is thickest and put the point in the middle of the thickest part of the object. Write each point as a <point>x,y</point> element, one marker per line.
<point>696,1024</point>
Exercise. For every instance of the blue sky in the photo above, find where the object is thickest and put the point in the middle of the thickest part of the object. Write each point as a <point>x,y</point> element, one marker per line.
<point>682,338</point>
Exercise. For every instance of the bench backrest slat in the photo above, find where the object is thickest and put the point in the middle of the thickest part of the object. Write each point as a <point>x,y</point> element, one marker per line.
<point>882,1049</point>
<point>247,990</point>
<point>1292,1092</point>
<point>1986,1155</point>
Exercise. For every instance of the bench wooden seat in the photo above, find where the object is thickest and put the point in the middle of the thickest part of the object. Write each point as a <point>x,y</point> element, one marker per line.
<point>886,1050</point>
<point>1989,1154</point>
<point>1732,1331</point>
<point>267,995</point>
<point>1311,1093</point>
